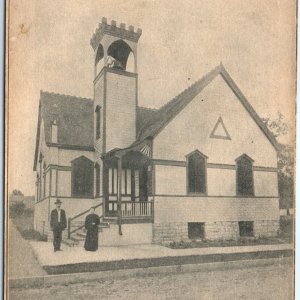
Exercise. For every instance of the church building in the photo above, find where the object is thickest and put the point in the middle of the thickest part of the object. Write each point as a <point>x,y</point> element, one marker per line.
<point>203,166</point>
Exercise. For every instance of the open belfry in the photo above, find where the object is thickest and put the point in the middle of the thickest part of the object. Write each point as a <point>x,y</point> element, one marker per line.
<point>185,171</point>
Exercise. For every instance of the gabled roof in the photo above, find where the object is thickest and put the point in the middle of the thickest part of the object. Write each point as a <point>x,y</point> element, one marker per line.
<point>144,115</point>
<point>74,119</point>
<point>167,112</point>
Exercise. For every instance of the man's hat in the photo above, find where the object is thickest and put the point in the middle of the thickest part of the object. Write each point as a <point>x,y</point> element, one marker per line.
<point>57,201</point>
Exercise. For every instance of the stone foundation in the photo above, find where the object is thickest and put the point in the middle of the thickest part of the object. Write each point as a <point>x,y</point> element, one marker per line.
<point>266,228</point>
<point>170,232</point>
<point>178,231</point>
<point>222,230</point>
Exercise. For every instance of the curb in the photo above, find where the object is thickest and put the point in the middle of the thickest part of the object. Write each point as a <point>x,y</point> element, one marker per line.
<point>65,279</point>
<point>163,261</point>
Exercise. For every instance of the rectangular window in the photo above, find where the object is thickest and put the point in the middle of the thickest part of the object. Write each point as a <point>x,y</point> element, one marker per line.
<point>246,228</point>
<point>196,230</point>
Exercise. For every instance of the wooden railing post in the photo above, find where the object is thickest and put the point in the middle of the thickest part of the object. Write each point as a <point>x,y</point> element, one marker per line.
<point>69,227</point>
<point>120,194</point>
<point>152,210</point>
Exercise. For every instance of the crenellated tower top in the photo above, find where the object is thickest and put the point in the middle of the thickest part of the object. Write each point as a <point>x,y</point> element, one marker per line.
<point>112,29</point>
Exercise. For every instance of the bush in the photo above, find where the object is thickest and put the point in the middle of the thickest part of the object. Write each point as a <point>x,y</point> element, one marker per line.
<point>33,235</point>
<point>17,209</point>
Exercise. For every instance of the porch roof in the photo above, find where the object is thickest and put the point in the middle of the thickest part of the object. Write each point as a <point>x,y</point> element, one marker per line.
<point>144,147</point>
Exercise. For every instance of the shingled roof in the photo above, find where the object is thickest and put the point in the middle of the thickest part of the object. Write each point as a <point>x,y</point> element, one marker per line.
<point>160,118</point>
<point>74,118</point>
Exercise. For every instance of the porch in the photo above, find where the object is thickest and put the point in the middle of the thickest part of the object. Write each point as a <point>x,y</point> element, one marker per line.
<point>127,187</point>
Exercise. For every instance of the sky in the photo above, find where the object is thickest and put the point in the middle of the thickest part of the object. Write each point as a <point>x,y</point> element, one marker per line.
<point>182,40</point>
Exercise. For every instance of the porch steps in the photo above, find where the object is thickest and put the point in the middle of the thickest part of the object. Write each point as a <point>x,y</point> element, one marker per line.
<point>70,242</point>
<point>78,237</point>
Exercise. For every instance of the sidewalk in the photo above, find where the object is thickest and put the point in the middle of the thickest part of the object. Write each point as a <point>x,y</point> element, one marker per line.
<point>76,259</point>
<point>22,260</point>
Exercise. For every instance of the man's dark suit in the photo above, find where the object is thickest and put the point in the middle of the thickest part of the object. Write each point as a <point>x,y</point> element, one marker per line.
<point>57,227</point>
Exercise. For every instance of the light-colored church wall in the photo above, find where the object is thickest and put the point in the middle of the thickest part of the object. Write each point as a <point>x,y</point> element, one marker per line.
<point>265,183</point>
<point>99,94</point>
<point>172,180</point>
<point>47,183</point>
<point>65,157</point>
<point>63,183</point>
<point>120,111</point>
<point>221,182</point>
<point>131,234</point>
<point>195,123</point>
<point>53,182</point>
<point>219,214</point>
<point>72,207</point>
<point>41,211</point>
<point>210,209</point>
<point>75,206</point>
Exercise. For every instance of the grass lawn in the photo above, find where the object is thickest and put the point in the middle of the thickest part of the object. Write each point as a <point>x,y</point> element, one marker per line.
<point>24,224</point>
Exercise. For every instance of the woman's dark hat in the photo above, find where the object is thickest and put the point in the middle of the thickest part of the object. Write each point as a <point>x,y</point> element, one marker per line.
<point>57,201</point>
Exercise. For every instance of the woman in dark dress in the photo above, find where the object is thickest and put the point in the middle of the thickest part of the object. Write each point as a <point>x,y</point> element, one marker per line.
<point>91,224</point>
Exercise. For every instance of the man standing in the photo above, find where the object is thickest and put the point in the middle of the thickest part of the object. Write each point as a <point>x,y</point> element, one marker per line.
<point>58,223</point>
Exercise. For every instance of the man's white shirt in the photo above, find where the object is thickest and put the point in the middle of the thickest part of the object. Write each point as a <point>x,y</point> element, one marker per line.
<point>59,213</point>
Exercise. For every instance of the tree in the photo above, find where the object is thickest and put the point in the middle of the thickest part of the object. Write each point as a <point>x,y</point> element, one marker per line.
<point>17,193</point>
<point>279,128</point>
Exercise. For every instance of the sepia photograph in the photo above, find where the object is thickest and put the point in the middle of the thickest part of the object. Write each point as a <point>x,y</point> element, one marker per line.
<point>150,149</point>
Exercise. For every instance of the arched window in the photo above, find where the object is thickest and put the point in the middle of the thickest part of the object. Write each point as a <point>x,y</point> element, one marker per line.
<point>97,170</point>
<point>119,51</point>
<point>130,65</point>
<point>98,119</point>
<point>244,176</point>
<point>82,177</point>
<point>196,172</point>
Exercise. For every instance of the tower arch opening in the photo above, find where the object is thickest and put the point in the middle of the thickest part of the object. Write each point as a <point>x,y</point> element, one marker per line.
<point>119,53</point>
<point>99,59</point>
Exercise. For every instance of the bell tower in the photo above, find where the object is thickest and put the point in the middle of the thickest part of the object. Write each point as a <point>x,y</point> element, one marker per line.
<point>115,86</point>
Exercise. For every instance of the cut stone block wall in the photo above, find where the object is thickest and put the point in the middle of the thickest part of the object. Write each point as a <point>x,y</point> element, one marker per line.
<point>222,230</point>
<point>178,231</point>
<point>170,232</point>
<point>266,228</point>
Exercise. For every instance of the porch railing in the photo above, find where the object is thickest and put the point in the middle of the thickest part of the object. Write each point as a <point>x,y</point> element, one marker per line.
<point>70,220</point>
<point>133,208</point>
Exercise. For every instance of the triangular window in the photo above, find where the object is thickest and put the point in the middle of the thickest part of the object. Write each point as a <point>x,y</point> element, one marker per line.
<point>219,131</point>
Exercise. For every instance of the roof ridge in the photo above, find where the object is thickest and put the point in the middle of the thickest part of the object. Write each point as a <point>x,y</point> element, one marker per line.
<point>65,95</point>
<point>193,85</point>
<point>175,104</point>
